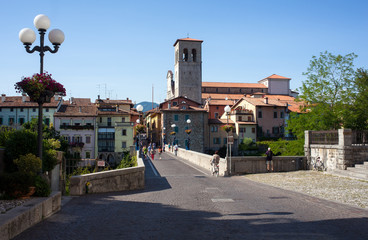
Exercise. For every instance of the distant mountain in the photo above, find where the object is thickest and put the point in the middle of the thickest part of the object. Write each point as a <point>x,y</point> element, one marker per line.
<point>146,105</point>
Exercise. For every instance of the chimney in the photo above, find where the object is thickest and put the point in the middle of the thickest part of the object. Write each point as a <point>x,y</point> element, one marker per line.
<point>23,97</point>
<point>266,100</point>
<point>3,97</point>
<point>71,100</point>
<point>56,97</point>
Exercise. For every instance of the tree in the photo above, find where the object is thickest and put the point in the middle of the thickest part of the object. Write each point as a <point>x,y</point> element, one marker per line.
<point>326,92</point>
<point>329,79</point>
<point>355,114</point>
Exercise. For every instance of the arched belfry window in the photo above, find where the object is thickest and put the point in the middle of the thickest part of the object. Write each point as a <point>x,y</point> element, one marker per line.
<point>194,55</point>
<point>185,55</point>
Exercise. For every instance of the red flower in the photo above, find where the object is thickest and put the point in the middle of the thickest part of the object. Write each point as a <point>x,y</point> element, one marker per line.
<point>38,84</point>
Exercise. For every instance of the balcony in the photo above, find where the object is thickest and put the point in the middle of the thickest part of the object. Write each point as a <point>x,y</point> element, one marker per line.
<point>76,144</point>
<point>243,111</point>
<point>77,127</point>
<point>124,124</point>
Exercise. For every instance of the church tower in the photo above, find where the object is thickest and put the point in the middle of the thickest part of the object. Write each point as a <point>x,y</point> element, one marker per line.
<point>187,81</point>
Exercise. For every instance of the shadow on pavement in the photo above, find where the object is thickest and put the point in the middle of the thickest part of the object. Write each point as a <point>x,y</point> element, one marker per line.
<point>109,216</point>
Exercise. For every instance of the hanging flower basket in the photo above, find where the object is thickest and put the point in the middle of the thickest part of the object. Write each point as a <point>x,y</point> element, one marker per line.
<point>227,127</point>
<point>188,131</point>
<point>40,87</point>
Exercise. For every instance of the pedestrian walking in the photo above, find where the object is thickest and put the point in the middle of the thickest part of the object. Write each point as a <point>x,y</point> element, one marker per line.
<point>214,163</point>
<point>269,163</point>
<point>176,149</point>
<point>159,151</point>
<point>153,152</point>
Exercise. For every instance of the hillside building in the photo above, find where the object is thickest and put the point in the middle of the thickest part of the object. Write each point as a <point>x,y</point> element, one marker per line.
<point>16,110</point>
<point>76,121</point>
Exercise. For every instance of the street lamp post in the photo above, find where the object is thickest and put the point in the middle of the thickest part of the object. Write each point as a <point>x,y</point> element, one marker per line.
<point>188,140</point>
<point>163,138</point>
<point>27,36</point>
<point>173,127</point>
<point>227,109</point>
<point>139,109</point>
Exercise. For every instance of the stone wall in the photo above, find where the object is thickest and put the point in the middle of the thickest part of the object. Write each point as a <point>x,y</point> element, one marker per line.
<point>198,118</point>
<point>242,165</point>
<point>202,160</point>
<point>336,156</point>
<point>23,217</point>
<point>108,181</point>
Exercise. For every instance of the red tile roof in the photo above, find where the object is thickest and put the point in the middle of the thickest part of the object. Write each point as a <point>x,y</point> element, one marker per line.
<point>221,102</point>
<point>274,76</point>
<point>296,106</point>
<point>76,110</point>
<point>261,102</point>
<point>233,85</point>
<point>81,101</point>
<point>16,101</point>
<point>187,39</point>
<point>115,102</point>
<point>280,97</point>
<point>222,96</point>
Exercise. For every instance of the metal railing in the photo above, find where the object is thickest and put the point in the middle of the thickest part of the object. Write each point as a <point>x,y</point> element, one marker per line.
<point>324,137</point>
<point>124,124</point>
<point>359,137</point>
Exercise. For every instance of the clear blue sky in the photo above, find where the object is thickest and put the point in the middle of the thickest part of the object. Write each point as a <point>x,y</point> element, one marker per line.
<point>120,48</point>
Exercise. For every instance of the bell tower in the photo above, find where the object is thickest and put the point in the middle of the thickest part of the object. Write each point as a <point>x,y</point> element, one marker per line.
<point>188,69</point>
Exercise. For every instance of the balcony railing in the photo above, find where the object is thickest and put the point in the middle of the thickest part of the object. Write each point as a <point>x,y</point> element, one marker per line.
<point>124,124</point>
<point>324,137</point>
<point>244,111</point>
<point>76,144</point>
<point>77,127</point>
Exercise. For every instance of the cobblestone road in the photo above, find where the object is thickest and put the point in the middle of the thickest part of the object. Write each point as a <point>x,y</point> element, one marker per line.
<point>319,184</point>
<point>181,202</point>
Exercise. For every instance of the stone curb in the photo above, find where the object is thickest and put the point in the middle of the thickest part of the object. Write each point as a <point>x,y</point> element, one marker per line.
<point>32,212</point>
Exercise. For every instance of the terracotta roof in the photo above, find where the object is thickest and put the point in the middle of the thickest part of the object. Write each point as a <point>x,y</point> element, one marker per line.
<point>221,102</point>
<point>16,101</point>
<point>261,102</point>
<point>187,39</point>
<point>81,101</point>
<point>222,96</point>
<point>295,106</point>
<point>274,76</point>
<point>179,97</point>
<point>233,85</point>
<point>76,110</point>
<point>108,101</point>
<point>280,97</point>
